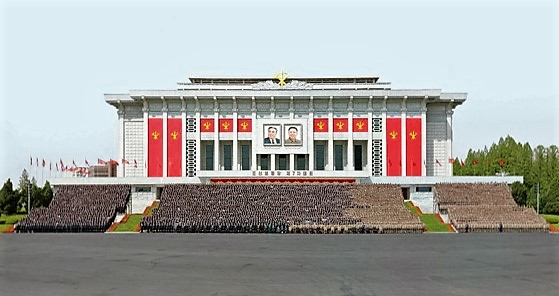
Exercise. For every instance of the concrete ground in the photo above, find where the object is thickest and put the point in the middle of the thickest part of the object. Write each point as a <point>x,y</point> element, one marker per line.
<point>258,264</point>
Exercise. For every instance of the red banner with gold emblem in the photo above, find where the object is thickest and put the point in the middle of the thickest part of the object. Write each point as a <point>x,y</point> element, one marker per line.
<point>225,125</point>
<point>340,125</point>
<point>320,125</point>
<point>207,125</point>
<point>393,146</point>
<point>244,125</point>
<point>174,147</point>
<point>413,147</point>
<point>360,125</point>
<point>155,147</point>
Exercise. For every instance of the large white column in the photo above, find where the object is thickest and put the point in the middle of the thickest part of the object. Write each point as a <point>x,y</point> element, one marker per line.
<point>310,136</point>
<point>350,164</point>
<point>404,136</point>
<point>165,109</point>
<point>424,136</point>
<point>448,149</point>
<point>235,157</point>
<point>330,166</point>
<point>384,150</point>
<point>183,137</point>
<point>198,136</point>
<point>254,165</point>
<point>216,135</point>
<point>121,169</point>
<point>369,149</point>
<point>145,109</point>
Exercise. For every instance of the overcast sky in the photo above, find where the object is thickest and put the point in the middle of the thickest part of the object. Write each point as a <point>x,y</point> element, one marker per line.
<point>59,58</point>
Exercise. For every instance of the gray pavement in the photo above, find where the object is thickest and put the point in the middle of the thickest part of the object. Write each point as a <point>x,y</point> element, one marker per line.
<point>259,264</point>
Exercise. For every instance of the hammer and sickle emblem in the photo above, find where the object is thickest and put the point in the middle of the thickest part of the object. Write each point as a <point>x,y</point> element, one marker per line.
<point>244,125</point>
<point>393,134</point>
<point>360,125</point>
<point>282,76</point>
<point>413,134</point>
<point>207,125</point>
<point>320,125</point>
<point>225,125</point>
<point>174,134</point>
<point>155,135</point>
<point>340,125</point>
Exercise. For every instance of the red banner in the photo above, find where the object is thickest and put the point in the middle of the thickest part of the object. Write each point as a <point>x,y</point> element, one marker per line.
<point>207,125</point>
<point>174,147</point>
<point>225,125</point>
<point>340,125</point>
<point>155,147</point>
<point>360,125</point>
<point>394,146</point>
<point>320,125</point>
<point>413,147</point>
<point>244,125</point>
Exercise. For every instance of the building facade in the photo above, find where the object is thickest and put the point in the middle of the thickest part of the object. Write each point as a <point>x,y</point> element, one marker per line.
<point>351,127</point>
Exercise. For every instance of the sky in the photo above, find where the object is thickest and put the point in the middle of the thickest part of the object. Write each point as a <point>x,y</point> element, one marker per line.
<point>58,58</point>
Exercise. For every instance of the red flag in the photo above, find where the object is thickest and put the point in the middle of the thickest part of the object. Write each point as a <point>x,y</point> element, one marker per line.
<point>135,163</point>
<point>413,146</point>
<point>155,147</point>
<point>394,146</point>
<point>206,125</point>
<point>86,162</point>
<point>174,143</point>
<point>340,125</point>
<point>124,161</point>
<point>113,162</point>
<point>475,162</point>
<point>502,162</point>
<point>360,125</point>
<point>225,125</point>
<point>244,125</point>
<point>451,160</point>
<point>320,125</point>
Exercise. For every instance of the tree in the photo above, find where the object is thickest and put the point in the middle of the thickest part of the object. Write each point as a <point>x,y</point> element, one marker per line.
<point>23,188</point>
<point>8,198</point>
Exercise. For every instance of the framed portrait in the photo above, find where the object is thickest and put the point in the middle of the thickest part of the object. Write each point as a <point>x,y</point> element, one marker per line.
<point>293,135</point>
<point>272,135</point>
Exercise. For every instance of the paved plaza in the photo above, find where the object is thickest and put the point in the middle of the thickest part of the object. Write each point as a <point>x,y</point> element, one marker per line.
<point>250,264</point>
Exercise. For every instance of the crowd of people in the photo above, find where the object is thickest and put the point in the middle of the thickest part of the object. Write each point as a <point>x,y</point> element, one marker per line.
<point>281,208</point>
<point>486,207</point>
<point>78,208</point>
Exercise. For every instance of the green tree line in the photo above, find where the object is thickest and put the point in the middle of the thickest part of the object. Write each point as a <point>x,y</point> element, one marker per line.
<point>508,157</point>
<point>15,200</point>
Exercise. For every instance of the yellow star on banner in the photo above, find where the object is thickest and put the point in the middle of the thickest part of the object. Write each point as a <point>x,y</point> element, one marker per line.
<point>155,135</point>
<point>207,125</point>
<point>174,134</point>
<point>413,134</point>
<point>340,125</point>
<point>393,134</point>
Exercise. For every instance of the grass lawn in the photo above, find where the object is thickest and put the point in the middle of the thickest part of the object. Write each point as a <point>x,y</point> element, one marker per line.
<point>131,223</point>
<point>552,219</point>
<point>10,220</point>
<point>429,220</point>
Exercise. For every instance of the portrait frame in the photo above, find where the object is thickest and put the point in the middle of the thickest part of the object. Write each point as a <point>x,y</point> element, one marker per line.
<point>267,141</point>
<point>288,131</point>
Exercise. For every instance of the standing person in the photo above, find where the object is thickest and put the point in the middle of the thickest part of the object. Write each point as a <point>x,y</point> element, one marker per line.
<point>292,133</point>
<point>272,136</point>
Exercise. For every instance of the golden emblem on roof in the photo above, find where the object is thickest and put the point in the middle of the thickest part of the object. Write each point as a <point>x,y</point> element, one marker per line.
<point>281,76</point>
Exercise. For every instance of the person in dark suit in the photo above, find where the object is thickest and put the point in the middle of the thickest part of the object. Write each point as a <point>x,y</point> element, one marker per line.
<point>272,136</point>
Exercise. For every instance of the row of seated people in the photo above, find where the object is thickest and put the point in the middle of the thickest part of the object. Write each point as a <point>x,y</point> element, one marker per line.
<point>277,208</point>
<point>78,208</point>
<point>486,207</point>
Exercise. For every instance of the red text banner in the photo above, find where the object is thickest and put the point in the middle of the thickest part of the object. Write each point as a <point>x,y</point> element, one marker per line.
<point>174,147</point>
<point>413,147</point>
<point>394,146</point>
<point>155,147</point>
